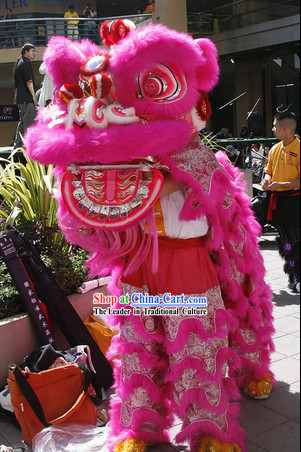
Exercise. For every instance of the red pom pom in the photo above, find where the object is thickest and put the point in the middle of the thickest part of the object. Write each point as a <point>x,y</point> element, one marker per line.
<point>105,34</point>
<point>112,32</point>
<point>100,86</point>
<point>203,107</point>
<point>70,91</point>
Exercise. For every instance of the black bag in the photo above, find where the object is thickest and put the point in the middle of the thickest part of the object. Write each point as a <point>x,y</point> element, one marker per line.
<point>53,297</point>
<point>260,207</point>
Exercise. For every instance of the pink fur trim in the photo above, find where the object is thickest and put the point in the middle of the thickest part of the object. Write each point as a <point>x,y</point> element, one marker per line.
<point>235,433</point>
<point>224,322</point>
<point>223,354</point>
<point>64,58</point>
<point>199,395</point>
<point>115,144</point>
<point>119,432</point>
<point>208,72</point>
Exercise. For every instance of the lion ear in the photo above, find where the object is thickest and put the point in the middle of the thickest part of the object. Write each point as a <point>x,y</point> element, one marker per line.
<point>208,70</point>
<point>63,59</point>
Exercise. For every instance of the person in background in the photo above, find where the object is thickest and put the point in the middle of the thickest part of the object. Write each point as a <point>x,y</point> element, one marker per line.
<point>266,151</point>
<point>283,180</point>
<point>25,96</point>
<point>90,26</point>
<point>72,24</point>
<point>10,29</point>
<point>47,87</point>
<point>244,132</point>
<point>138,20</point>
<point>257,151</point>
<point>224,134</point>
<point>151,8</point>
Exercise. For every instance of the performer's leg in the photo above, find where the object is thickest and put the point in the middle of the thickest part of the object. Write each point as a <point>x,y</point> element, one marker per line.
<point>254,350</point>
<point>252,338</point>
<point>201,392</point>
<point>140,412</point>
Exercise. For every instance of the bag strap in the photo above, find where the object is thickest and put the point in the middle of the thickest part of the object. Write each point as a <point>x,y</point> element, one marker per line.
<point>87,373</point>
<point>30,396</point>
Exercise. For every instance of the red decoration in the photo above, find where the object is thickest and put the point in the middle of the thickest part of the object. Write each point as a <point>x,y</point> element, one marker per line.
<point>110,199</point>
<point>112,32</point>
<point>203,107</point>
<point>100,86</point>
<point>94,65</point>
<point>70,91</point>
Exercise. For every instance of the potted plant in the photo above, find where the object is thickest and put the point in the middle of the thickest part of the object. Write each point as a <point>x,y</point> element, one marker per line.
<point>27,202</point>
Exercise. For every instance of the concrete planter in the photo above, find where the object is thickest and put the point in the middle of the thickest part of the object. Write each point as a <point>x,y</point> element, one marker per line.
<point>18,336</point>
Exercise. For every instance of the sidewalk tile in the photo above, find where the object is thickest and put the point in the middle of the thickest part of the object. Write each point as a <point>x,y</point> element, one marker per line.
<point>167,448</point>
<point>3,441</point>
<point>251,447</point>
<point>273,275</point>
<point>278,334</point>
<point>276,356</point>
<point>286,371</point>
<point>279,315</point>
<point>287,324</point>
<point>256,419</point>
<point>281,438</point>
<point>288,345</point>
<point>290,310</point>
<point>10,432</point>
<point>285,401</point>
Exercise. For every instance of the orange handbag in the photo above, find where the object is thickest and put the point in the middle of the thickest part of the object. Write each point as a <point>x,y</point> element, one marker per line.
<point>51,397</point>
<point>101,333</point>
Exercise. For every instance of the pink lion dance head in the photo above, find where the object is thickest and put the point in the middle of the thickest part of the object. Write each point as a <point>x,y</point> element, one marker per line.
<point>144,97</point>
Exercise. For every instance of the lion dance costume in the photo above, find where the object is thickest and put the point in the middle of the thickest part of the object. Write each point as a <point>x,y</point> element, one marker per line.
<point>118,115</point>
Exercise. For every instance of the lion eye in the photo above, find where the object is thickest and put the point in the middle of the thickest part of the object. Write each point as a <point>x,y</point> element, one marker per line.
<point>162,84</point>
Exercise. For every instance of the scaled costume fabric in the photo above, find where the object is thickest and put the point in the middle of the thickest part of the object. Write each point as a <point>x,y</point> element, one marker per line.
<point>188,366</point>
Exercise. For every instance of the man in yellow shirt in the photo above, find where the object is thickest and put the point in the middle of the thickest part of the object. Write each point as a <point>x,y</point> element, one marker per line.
<point>72,25</point>
<point>151,8</point>
<point>283,180</point>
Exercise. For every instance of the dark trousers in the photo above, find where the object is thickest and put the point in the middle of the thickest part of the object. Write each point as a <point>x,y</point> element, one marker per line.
<point>286,219</point>
<point>27,115</point>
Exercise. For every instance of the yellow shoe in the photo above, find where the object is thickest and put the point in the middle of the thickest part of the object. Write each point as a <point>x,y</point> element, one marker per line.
<point>259,389</point>
<point>211,444</point>
<point>130,445</point>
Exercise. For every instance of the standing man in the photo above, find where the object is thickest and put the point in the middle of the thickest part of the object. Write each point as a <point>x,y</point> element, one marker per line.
<point>72,25</point>
<point>25,91</point>
<point>283,180</point>
<point>90,26</point>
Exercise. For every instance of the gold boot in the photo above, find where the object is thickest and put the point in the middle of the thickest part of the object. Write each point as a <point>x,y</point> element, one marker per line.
<point>259,389</point>
<point>211,444</point>
<point>130,445</point>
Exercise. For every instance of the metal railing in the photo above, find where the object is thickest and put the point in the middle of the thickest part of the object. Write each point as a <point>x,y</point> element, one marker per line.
<point>38,31</point>
<point>239,14</point>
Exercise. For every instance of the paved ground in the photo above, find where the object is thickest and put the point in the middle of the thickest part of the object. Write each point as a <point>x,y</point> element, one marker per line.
<point>272,425</point>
